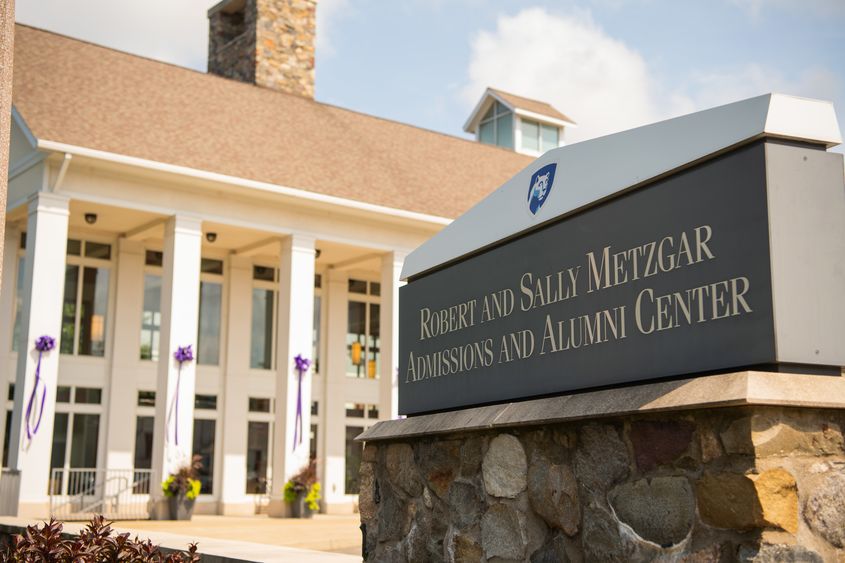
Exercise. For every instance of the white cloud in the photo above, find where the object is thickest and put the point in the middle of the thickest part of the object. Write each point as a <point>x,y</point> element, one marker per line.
<point>168,30</point>
<point>605,85</point>
<point>569,62</point>
<point>328,12</point>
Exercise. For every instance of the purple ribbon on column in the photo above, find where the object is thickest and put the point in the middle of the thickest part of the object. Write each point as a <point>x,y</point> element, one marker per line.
<point>182,354</point>
<point>302,365</point>
<point>42,344</point>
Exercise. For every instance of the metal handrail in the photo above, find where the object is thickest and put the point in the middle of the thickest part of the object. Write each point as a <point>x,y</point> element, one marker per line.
<point>118,494</point>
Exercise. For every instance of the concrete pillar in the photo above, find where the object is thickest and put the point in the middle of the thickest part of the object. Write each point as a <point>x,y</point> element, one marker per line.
<point>391,268</point>
<point>179,315</point>
<point>122,386</point>
<point>235,394</point>
<point>294,333</point>
<point>333,455</point>
<point>43,292</point>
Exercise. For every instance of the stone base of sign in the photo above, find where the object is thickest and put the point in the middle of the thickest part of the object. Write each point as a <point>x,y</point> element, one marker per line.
<point>746,466</point>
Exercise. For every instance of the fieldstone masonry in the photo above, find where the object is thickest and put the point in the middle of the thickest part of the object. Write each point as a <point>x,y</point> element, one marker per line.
<point>269,43</point>
<point>749,483</point>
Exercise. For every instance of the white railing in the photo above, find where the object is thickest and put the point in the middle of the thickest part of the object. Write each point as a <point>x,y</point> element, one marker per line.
<point>117,494</point>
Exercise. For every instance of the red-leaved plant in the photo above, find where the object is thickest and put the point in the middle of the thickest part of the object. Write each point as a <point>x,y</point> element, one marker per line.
<point>96,543</point>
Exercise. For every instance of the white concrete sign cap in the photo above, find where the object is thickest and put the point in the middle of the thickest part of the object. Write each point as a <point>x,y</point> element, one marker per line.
<point>595,170</point>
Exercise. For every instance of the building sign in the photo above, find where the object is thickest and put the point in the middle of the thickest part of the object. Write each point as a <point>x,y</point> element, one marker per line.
<point>671,279</point>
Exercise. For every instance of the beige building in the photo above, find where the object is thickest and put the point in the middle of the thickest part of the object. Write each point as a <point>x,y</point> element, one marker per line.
<point>153,207</point>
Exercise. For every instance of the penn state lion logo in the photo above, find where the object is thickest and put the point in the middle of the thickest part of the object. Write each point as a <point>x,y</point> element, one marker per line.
<point>540,187</point>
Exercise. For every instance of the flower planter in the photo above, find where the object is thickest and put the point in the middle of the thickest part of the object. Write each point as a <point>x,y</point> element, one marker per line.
<point>181,508</point>
<point>299,508</point>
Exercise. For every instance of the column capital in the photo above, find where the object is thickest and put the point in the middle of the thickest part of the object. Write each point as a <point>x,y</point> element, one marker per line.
<point>47,202</point>
<point>187,224</point>
<point>298,242</point>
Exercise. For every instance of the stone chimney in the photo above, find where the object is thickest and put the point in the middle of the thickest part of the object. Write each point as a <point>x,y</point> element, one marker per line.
<point>269,43</point>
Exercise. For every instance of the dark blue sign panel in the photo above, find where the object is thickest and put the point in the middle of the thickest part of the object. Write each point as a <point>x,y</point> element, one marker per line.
<point>670,279</point>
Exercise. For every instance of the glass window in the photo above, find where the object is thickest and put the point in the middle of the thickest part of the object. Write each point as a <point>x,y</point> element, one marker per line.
<point>372,412</point>
<point>363,339</point>
<point>487,133</point>
<point>151,317</point>
<point>375,288</point>
<point>530,135</point>
<point>210,266</point>
<point>312,453</point>
<point>318,281</point>
<point>83,445</point>
<point>315,339</point>
<point>550,136</point>
<point>357,286</point>
<point>146,398</point>
<point>59,449</point>
<point>23,241</point>
<point>261,343</point>
<point>355,410</point>
<point>208,339</point>
<point>69,309</point>
<point>205,402</point>
<point>154,258</point>
<point>263,273</point>
<point>6,436</point>
<point>356,337</point>
<point>258,440</point>
<point>315,408</point>
<point>74,247</point>
<point>88,395</point>
<point>504,131</point>
<point>19,290</point>
<point>143,453</point>
<point>93,306</point>
<point>11,396</point>
<point>62,394</point>
<point>204,447</point>
<point>259,405</point>
<point>98,250</point>
<point>353,459</point>
<point>144,442</point>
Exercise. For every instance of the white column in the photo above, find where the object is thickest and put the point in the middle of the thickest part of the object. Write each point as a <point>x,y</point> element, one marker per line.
<point>179,315</point>
<point>7,309</point>
<point>391,269</point>
<point>122,386</point>
<point>43,292</point>
<point>235,394</point>
<point>333,456</point>
<point>295,327</point>
<point>7,291</point>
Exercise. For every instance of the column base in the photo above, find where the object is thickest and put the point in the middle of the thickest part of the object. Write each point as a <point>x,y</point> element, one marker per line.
<point>278,508</point>
<point>34,510</point>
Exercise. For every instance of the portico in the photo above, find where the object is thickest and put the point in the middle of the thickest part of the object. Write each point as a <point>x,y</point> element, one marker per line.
<point>249,279</point>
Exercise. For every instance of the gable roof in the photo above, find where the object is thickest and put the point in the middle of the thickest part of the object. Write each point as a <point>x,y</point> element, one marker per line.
<point>527,104</point>
<point>77,93</point>
<point>517,104</point>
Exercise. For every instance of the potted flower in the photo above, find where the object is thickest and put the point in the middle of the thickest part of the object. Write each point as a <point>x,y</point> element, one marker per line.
<point>182,489</point>
<point>302,492</point>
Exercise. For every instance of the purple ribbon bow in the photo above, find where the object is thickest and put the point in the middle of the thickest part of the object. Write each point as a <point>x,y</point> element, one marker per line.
<point>42,344</point>
<point>302,365</point>
<point>182,354</point>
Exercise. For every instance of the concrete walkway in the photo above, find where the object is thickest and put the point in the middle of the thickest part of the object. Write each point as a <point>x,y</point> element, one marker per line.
<point>322,539</point>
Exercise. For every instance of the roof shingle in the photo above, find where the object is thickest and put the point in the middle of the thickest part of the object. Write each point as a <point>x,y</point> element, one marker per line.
<point>81,94</point>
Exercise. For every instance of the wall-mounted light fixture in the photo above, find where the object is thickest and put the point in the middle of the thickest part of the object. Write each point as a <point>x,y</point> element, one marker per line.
<point>317,254</point>
<point>210,237</point>
<point>90,218</point>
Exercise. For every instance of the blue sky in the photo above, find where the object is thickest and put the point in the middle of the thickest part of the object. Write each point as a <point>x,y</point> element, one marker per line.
<point>608,64</point>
